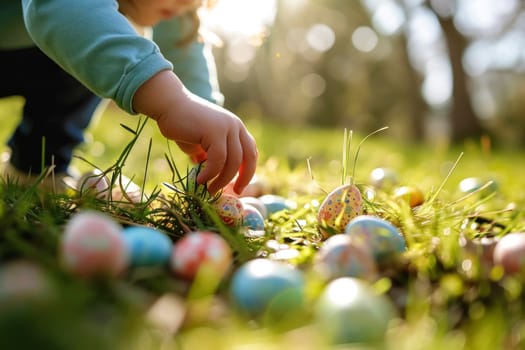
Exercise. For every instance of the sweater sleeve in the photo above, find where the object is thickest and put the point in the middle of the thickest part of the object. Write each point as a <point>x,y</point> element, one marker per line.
<point>96,44</point>
<point>194,63</point>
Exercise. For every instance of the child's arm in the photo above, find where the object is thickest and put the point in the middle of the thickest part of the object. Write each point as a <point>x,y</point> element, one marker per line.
<point>200,127</point>
<point>193,63</point>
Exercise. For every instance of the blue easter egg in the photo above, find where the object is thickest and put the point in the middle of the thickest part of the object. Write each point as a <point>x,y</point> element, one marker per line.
<point>268,287</point>
<point>380,236</point>
<point>252,218</point>
<point>350,311</point>
<point>147,246</point>
<point>275,203</point>
<point>340,257</point>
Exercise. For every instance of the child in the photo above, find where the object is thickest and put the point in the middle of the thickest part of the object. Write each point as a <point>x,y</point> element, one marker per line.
<point>63,56</point>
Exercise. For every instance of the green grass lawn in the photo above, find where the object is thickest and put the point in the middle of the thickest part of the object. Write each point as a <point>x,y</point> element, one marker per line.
<point>445,298</point>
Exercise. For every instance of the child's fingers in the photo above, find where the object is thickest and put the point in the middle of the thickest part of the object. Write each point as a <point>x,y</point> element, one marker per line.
<point>248,165</point>
<point>231,166</point>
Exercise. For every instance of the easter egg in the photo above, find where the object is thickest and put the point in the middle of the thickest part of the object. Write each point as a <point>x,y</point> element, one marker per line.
<point>95,182</point>
<point>472,184</point>
<point>256,203</point>
<point>252,218</point>
<point>125,190</point>
<point>275,203</point>
<point>509,252</point>
<point>383,178</point>
<point>350,311</point>
<point>411,195</point>
<point>379,236</point>
<point>92,244</point>
<point>339,257</point>
<point>255,188</point>
<point>21,280</point>
<point>230,209</point>
<point>201,249</point>
<point>263,286</point>
<point>147,246</point>
<point>339,207</point>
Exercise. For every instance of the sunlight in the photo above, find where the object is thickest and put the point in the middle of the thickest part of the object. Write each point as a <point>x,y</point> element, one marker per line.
<point>232,19</point>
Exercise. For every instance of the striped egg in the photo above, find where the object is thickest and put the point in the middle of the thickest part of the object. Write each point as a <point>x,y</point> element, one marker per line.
<point>92,244</point>
<point>201,251</point>
<point>339,207</point>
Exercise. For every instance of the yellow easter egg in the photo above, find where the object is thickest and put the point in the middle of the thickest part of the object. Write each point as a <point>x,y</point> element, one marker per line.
<point>339,207</point>
<point>230,209</point>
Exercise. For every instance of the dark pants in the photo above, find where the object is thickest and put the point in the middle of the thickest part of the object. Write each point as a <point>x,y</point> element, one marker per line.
<point>56,112</point>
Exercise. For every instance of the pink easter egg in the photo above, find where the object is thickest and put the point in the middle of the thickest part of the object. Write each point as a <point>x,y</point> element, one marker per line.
<point>94,182</point>
<point>230,209</point>
<point>509,252</point>
<point>339,207</point>
<point>198,249</point>
<point>93,244</point>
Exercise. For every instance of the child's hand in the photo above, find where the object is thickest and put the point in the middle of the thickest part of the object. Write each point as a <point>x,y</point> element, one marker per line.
<point>201,129</point>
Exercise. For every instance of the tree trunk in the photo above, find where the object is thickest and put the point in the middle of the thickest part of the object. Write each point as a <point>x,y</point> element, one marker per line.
<point>464,122</point>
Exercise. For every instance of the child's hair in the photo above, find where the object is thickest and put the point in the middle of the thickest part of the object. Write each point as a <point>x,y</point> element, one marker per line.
<point>194,22</point>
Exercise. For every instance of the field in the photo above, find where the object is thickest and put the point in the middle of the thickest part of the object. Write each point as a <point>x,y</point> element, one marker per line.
<point>446,292</point>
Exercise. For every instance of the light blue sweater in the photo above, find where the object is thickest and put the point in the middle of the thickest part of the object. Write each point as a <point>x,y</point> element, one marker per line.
<point>96,44</point>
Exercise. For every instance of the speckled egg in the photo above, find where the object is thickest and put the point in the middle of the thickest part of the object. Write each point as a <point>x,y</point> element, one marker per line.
<point>339,257</point>
<point>410,194</point>
<point>230,209</point>
<point>381,237</point>
<point>93,244</point>
<point>509,252</point>
<point>256,203</point>
<point>201,249</point>
<point>383,178</point>
<point>252,218</point>
<point>339,207</point>
<point>275,203</point>
<point>350,311</point>
<point>263,286</point>
<point>147,246</point>
<point>95,182</point>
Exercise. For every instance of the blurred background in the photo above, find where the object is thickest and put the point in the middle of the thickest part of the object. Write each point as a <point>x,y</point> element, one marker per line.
<point>435,70</point>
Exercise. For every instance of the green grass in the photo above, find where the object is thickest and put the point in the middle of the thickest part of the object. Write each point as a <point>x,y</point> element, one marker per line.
<point>446,299</point>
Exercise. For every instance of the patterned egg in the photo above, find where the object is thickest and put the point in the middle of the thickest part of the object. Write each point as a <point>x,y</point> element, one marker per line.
<point>509,252</point>
<point>275,203</point>
<point>201,249</point>
<point>147,246</point>
<point>412,195</point>
<point>256,203</point>
<point>92,244</point>
<point>94,182</point>
<point>383,178</point>
<point>339,257</point>
<point>230,209</point>
<point>339,207</point>
<point>381,237</point>
<point>350,311</point>
<point>252,218</point>
<point>263,286</point>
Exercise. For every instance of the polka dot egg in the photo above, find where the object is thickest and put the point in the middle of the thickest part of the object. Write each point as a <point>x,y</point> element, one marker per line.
<point>198,250</point>
<point>339,207</point>
<point>230,210</point>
